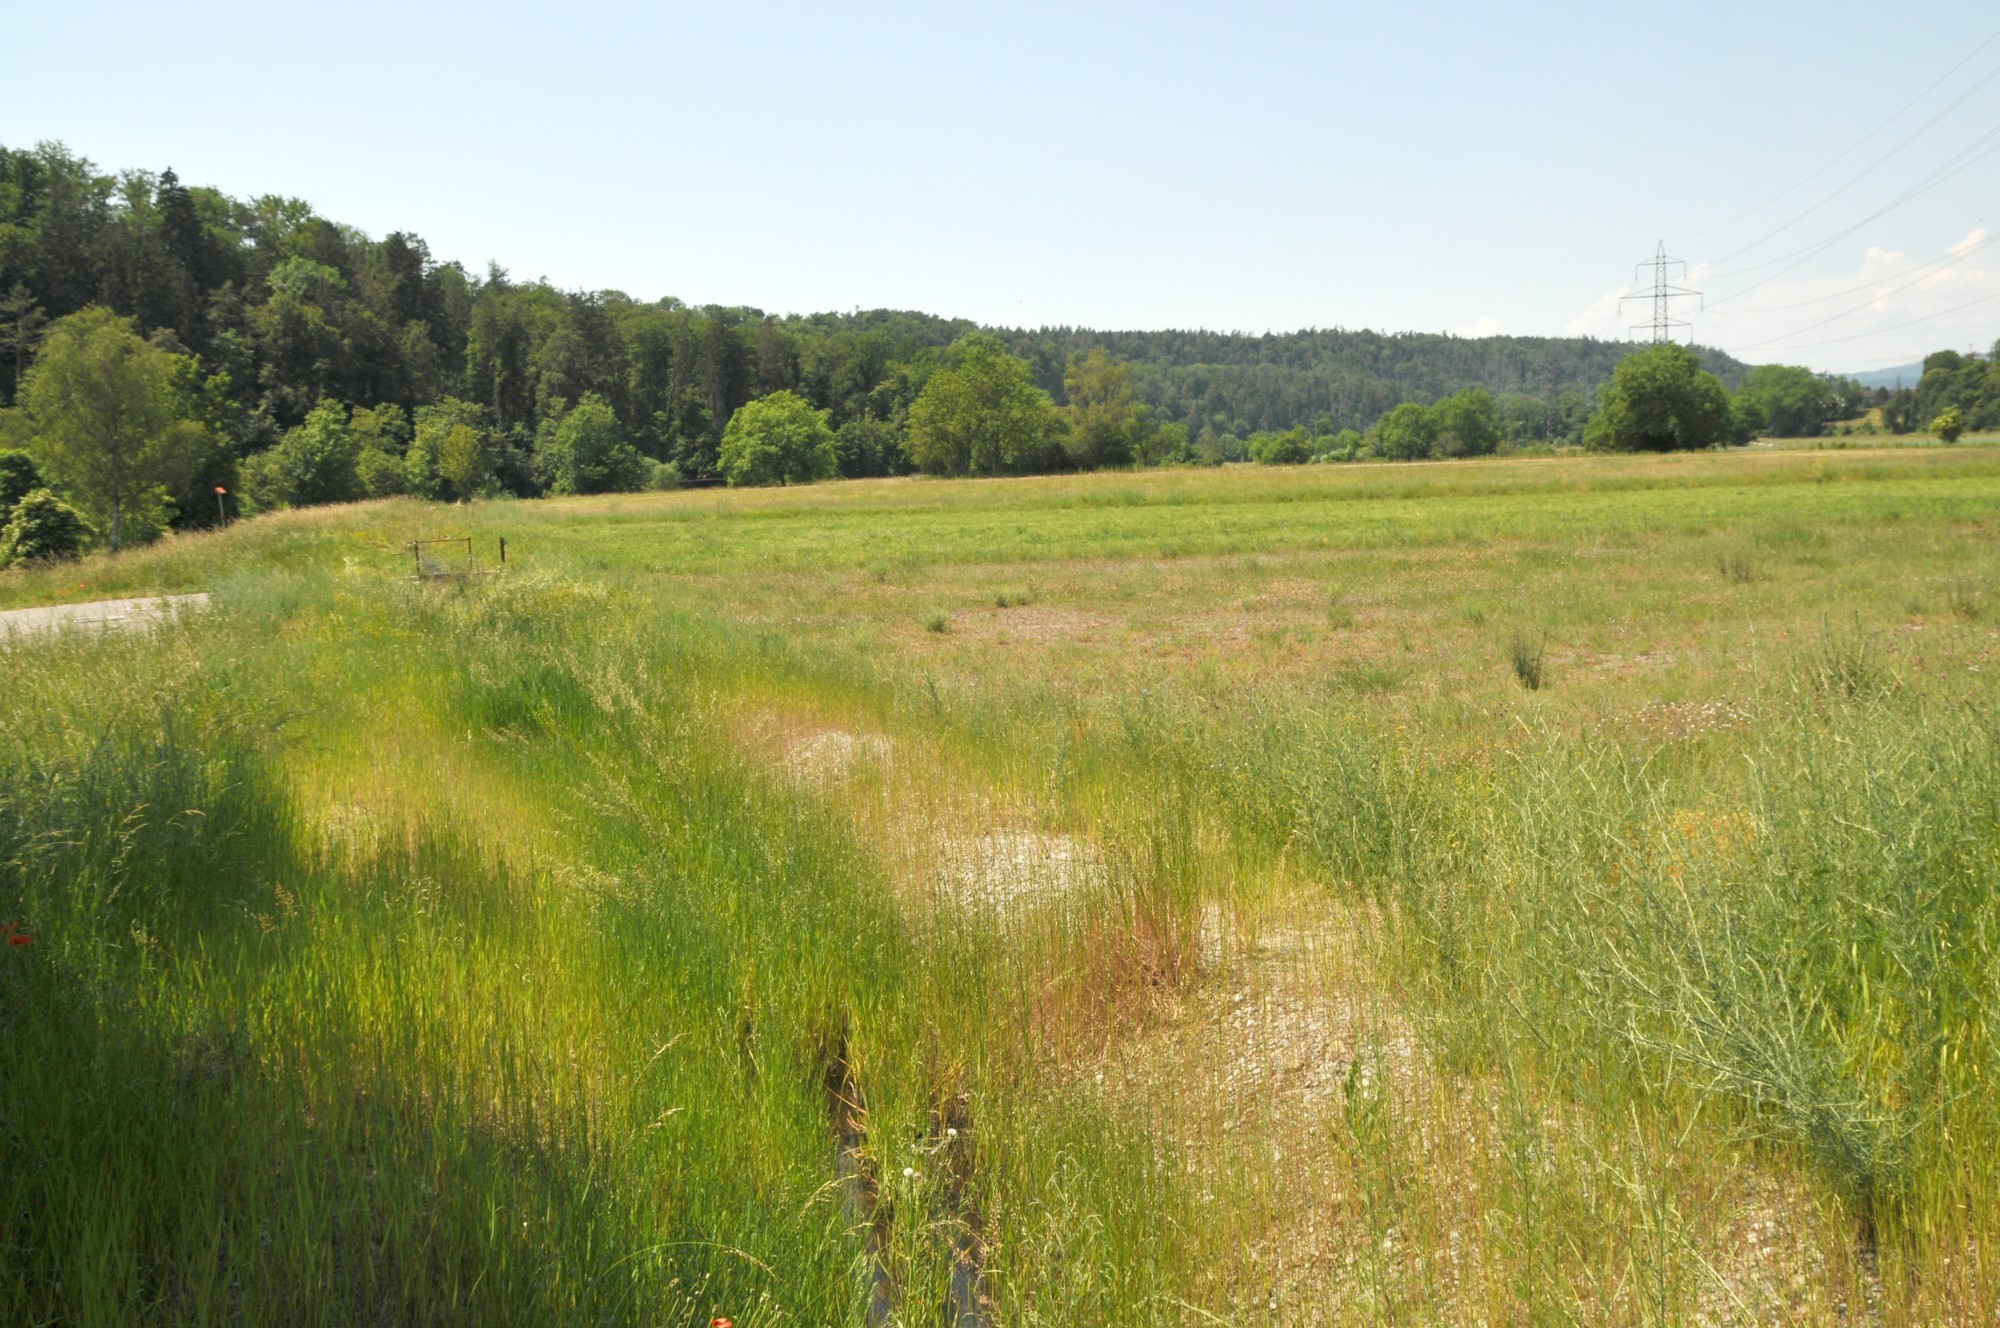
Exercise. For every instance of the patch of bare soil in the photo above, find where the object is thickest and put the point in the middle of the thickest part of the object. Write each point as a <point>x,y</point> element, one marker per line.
<point>1004,870</point>
<point>1035,624</point>
<point>1678,721</point>
<point>99,616</point>
<point>831,755</point>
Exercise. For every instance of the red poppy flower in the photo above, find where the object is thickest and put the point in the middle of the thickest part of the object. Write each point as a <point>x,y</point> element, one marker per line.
<point>20,938</point>
<point>721,1323</point>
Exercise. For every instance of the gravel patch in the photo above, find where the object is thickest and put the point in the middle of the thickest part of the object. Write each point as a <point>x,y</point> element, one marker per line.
<point>99,616</point>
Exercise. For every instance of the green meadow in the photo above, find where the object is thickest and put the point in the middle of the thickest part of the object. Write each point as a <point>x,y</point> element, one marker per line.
<point>1542,890</point>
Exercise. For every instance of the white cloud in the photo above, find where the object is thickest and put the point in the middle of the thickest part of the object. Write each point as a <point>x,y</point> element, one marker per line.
<point>1601,319</point>
<point>1890,307</point>
<point>1485,325</point>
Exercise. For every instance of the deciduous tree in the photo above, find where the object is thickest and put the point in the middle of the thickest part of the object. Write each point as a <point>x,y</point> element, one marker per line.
<point>312,464</point>
<point>1407,433</point>
<point>1468,424</point>
<point>109,419</point>
<point>584,451</point>
<point>1107,425</point>
<point>777,439</point>
<point>1660,399</point>
<point>982,414</point>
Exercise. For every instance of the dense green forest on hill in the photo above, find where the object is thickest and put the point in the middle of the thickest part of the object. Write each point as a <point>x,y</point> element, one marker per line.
<point>285,308</point>
<point>289,360</point>
<point>1343,379</point>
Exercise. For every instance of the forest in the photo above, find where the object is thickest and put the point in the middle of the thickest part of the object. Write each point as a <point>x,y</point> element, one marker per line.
<point>324,364</point>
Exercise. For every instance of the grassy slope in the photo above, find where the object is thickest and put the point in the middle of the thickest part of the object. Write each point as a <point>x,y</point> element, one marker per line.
<point>498,977</point>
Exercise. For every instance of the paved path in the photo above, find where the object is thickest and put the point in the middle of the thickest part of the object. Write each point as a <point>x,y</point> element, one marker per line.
<point>104,615</point>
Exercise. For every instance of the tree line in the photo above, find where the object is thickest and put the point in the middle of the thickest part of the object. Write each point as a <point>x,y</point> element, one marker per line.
<point>259,354</point>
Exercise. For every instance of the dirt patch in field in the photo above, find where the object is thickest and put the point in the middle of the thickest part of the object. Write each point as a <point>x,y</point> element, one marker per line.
<point>1035,625</point>
<point>832,755</point>
<point>1005,870</point>
<point>99,616</point>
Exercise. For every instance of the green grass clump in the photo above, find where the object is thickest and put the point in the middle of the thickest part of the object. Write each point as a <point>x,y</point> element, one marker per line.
<point>1527,655</point>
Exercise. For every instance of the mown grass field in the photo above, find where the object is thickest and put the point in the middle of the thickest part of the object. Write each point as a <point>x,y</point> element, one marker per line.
<point>1122,899</point>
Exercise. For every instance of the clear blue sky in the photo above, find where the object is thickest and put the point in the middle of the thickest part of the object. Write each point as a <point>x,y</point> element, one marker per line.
<point>1408,166</point>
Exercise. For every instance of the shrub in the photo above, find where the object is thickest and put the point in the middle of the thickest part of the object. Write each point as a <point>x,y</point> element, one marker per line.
<point>1949,424</point>
<point>19,477</point>
<point>1293,447</point>
<point>42,528</point>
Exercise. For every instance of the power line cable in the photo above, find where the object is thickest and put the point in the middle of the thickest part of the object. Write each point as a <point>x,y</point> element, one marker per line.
<point>1849,151</point>
<point>1949,170</point>
<point>1895,290</point>
<point>1865,171</point>
<point>1897,327</point>
<point>1947,258</point>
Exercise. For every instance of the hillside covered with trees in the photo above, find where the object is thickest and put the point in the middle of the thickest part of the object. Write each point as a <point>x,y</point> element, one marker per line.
<point>285,359</point>
<point>289,309</point>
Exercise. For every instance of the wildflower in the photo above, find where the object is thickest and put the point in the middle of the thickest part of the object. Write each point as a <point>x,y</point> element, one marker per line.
<point>721,1323</point>
<point>951,1132</point>
<point>20,938</point>
<point>909,1173</point>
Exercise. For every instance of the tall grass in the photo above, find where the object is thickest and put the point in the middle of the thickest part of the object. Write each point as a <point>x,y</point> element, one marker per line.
<point>447,953</point>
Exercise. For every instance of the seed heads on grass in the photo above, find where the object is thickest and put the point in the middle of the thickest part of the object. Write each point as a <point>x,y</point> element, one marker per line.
<point>1527,652</point>
<point>1847,664</point>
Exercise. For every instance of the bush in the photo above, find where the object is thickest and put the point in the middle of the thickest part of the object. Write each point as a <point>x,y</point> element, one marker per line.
<point>1293,447</point>
<point>1949,424</point>
<point>42,528</point>
<point>380,472</point>
<point>19,477</point>
<point>662,476</point>
<point>1347,445</point>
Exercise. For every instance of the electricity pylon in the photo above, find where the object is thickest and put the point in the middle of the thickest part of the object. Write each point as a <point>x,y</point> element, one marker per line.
<point>1663,324</point>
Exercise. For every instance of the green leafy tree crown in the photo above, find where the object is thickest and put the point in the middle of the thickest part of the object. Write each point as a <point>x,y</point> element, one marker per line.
<point>981,414</point>
<point>1659,400</point>
<point>778,439</point>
